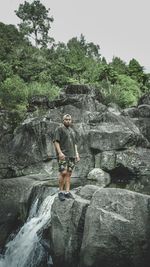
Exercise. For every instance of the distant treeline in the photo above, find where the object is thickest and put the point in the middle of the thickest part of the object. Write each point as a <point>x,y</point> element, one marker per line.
<point>43,67</point>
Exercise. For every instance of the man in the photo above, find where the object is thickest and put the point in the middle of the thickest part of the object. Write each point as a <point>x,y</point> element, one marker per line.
<point>67,153</point>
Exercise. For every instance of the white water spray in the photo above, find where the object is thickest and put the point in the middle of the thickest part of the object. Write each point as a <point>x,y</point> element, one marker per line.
<point>25,249</point>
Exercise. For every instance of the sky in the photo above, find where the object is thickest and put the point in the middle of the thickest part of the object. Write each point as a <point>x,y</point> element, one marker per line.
<point>119,27</point>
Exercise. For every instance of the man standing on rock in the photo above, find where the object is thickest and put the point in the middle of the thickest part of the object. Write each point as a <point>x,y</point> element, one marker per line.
<point>67,153</point>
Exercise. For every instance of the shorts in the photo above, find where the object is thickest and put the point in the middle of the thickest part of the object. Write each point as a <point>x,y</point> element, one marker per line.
<point>67,164</point>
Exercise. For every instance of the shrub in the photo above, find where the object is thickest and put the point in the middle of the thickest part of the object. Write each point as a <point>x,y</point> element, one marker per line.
<point>125,92</point>
<point>13,92</point>
<point>36,88</point>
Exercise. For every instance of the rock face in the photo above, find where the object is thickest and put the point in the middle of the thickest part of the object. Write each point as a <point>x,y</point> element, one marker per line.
<point>14,194</point>
<point>101,227</point>
<point>105,225</point>
<point>66,231</point>
<point>115,232</point>
<point>103,132</point>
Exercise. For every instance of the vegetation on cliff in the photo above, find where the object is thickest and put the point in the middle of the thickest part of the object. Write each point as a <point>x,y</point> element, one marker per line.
<point>32,63</point>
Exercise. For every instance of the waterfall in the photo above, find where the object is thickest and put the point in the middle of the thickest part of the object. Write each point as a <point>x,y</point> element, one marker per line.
<point>26,250</point>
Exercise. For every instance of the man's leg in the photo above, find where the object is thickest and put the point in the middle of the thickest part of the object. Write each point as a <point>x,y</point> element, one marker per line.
<point>61,181</point>
<point>68,175</point>
<point>68,178</point>
<point>70,167</point>
<point>62,177</point>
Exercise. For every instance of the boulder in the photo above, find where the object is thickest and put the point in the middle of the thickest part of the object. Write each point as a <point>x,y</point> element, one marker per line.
<point>144,111</point>
<point>14,195</point>
<point>132,112</point>
<point>66,231</point>
<point>110,131</point>
<point>98,177</point>
<point>145,99</point>
<point>116,231</point>
<point>87,191</point>
<point>144,126</point>
<point>37,101</point>
<point>128,168</point>
<point>109,136</point>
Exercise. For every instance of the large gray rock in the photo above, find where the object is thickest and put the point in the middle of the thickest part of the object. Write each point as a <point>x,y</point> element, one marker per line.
<point>144,111</point>
<point>16,198</point>
<point>114,132</point>
<point>14,195</point>
<point>98,177</point>
<point>87,191</point>
<point>108,136</point>
<point>140,115</point>
<point>90,230</point>
<point>31,145</point>
<point>66,232</point>
<point>144,126</point>
<point>116,231</point>
<point>128,168</point>
<point>30,150</point>
<point>145,99</point>
<point>101,227</point>
<point>132,112</point>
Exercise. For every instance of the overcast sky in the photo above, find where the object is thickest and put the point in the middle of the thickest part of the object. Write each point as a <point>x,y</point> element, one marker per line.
<point>120,27</point>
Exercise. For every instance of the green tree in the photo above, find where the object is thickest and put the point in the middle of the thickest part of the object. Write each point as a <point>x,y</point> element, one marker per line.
<point>29,62</point>
<point>136,71</point>
<point>75,60</point>
<point>36,22</point>
<point>119,65</point>
<point>10,39</point>
<point>91,50</point>
<point>56,72</point>
<point>106,72</point>
<point>80,56</point>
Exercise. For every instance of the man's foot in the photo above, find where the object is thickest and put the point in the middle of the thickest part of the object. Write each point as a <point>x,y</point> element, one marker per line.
<point>61,196</point>
<point>68,195</point>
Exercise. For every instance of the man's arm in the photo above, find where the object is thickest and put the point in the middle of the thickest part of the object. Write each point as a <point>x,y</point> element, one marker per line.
<point>77,154</point>
<point>58,149</point>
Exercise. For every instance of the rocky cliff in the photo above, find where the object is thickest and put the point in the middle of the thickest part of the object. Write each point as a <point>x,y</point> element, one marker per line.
<point>114,146</point>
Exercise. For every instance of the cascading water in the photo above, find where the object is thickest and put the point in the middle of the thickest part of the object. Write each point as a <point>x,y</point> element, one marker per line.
<point>25,250</point>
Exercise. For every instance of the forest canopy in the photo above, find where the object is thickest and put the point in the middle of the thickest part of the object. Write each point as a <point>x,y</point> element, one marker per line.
<point>32,63</point>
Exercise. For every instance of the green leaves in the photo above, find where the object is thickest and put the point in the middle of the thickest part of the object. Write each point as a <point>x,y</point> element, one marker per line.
<point>29,68</point>
<point>46,89</point>
<point>5,71</point>
<point>10,38</point>
<point>125,92</point>
<point>36,22</point>
<point>13,92</point>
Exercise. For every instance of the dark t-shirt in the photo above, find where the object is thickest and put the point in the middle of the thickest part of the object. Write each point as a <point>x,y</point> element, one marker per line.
<point>67,139</point>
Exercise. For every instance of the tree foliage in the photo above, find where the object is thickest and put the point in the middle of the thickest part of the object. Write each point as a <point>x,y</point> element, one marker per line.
<point>37,88</point>
<point>119,65</point>
<point>5,71</point>
<point>127,91</point>
<point>10,39</point>
<point>13,92</point>
<point>27,69</point>
<point>36,22</point>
